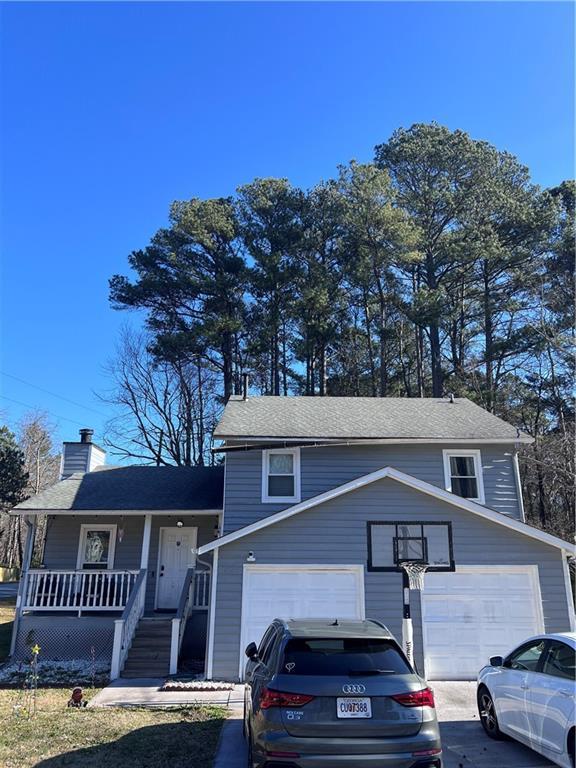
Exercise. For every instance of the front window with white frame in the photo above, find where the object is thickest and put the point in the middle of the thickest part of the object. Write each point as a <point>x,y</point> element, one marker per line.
<point>281,475</point>
<point>463,474</point>
<point>96,547</point>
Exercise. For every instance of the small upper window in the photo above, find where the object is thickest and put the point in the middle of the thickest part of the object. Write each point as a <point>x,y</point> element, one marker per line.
<point>96,550</point>
<point>463,474</point>
<point>281,475</point>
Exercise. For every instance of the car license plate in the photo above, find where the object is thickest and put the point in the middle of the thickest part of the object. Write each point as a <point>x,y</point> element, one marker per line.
<point>357,707</point>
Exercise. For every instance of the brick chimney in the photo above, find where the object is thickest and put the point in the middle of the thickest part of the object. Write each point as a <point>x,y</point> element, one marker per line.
<point>81,456</point>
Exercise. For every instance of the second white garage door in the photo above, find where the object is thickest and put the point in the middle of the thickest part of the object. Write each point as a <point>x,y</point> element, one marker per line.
<point>298,591</point>
<point>475,613</point>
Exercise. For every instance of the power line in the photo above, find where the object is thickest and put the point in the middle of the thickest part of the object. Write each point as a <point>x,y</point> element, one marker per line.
<point>35,408</point>
<point>53,394</point>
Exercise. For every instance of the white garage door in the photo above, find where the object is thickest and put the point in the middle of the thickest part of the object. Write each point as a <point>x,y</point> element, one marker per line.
<point>475,613</point>
<point>298,591</point>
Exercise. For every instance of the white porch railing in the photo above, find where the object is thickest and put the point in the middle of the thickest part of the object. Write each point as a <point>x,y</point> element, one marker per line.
<point>201,589</point>
<point>125,627</point>
<point>86,590</point>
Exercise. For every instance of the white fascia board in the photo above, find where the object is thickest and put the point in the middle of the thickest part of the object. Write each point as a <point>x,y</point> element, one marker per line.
<point>411,482</point>
<point>117,512</point>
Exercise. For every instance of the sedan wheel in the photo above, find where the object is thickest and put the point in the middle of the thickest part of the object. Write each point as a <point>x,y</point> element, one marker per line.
<point>488,714</point>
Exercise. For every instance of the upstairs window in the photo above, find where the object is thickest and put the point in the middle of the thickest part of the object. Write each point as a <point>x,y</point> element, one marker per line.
<point>281,475</point>
<point>463,474</point>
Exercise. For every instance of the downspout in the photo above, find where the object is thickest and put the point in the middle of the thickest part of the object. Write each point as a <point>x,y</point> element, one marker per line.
<point>518,482</point>
<point>28,550</point>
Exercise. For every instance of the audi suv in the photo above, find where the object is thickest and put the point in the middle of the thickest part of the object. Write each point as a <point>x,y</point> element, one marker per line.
<point>336,693</point>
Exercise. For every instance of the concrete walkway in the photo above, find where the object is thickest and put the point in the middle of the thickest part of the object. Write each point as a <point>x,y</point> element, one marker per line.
<point>146,693</point>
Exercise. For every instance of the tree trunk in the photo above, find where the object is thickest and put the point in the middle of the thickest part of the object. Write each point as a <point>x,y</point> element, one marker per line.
<point>201,426</point>
<point>228,370</point>
<point>369,342</point>
<point>436,360</point>
<point>382,333</point>
<point>488,339</point>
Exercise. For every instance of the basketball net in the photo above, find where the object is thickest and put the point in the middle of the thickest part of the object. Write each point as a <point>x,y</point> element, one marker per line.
<point>415,572</point>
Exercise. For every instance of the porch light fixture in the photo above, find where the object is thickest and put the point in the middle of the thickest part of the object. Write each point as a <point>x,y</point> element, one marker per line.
<point>180,523</point>
<point>251,558</point>
<point>120,534</point>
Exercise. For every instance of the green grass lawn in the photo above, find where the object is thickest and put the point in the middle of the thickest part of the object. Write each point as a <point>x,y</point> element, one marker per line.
<point>59,737</point>
<point>6,620</point>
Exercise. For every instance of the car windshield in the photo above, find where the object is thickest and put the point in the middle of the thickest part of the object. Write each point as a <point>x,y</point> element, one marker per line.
<point>343,656</point>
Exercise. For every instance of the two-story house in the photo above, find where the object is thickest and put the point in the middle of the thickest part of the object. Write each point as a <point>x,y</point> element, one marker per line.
<point>319,502</point>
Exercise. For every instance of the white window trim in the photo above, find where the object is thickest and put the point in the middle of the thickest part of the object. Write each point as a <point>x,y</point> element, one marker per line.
<point>476,455</point>
<point>266,499</point>
<point>82,542</point>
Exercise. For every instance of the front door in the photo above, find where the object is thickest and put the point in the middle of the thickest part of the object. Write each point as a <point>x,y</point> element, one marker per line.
<point>176,555</point>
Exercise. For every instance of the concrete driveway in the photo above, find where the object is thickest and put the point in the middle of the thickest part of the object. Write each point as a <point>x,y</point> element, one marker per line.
<point>464,742</point>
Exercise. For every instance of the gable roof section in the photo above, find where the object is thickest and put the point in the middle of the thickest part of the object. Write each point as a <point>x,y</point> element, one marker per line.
<point>132,488</point>
<point>411,482</point>
<point>361,418</point>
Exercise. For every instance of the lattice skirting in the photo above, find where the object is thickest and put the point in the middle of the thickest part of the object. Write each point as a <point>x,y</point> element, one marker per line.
<point>65,638</point>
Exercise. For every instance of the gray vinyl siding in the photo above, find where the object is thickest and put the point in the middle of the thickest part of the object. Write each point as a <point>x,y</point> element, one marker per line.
<point>324,468</point>
<point>63,536</point>
<point>335,533</point>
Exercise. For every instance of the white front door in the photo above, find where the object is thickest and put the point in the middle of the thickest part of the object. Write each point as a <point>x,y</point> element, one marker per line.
<point>175,556</point>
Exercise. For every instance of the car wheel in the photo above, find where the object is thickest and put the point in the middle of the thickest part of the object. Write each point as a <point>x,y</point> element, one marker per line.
<point>487,714</point>
<point>572,747</point>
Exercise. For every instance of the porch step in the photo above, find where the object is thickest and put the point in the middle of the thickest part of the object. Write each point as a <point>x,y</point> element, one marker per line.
<point>149,654</point>
<point>147,671</point>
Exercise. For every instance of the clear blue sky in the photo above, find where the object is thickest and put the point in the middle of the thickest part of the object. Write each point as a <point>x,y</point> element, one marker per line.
<point>111,111</point>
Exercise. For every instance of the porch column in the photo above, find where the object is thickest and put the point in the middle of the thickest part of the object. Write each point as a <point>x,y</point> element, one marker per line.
<point>146,542</point>
<point>26,560</point>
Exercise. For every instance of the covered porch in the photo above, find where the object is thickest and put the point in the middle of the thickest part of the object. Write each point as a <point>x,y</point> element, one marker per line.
<point>102,574</point>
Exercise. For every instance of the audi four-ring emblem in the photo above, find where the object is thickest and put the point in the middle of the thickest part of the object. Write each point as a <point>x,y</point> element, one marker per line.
<point>356,688</point>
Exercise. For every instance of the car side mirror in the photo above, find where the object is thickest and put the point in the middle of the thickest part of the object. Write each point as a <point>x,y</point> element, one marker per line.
<point>496,661</point>
<point>252,651</point>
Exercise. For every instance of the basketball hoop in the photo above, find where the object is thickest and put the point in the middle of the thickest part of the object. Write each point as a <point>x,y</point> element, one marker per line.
<point>415,572</point>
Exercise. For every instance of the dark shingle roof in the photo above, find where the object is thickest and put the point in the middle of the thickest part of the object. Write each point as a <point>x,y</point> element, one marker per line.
<point>135,487</point>
<point>356,418</point>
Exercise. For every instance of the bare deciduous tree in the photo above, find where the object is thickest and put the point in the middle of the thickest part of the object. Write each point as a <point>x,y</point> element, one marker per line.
<point>166,411</point>
<point>41,465</point>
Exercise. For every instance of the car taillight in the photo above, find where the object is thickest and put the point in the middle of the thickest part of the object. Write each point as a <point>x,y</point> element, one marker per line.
<point>270,698</point>
<point>423,698</point>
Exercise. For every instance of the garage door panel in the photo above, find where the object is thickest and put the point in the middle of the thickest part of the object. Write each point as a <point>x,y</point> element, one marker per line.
<point>271,592</point>
<point>469,616</point>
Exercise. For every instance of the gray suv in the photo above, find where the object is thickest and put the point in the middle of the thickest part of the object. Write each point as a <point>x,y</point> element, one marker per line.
<point>336,694</point>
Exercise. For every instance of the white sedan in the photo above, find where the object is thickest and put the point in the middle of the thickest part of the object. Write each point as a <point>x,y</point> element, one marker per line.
<point>531,695</point>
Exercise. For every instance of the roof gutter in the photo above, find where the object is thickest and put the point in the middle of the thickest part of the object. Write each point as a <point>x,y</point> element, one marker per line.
<point>114,512</point>
<point>260,443</point>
